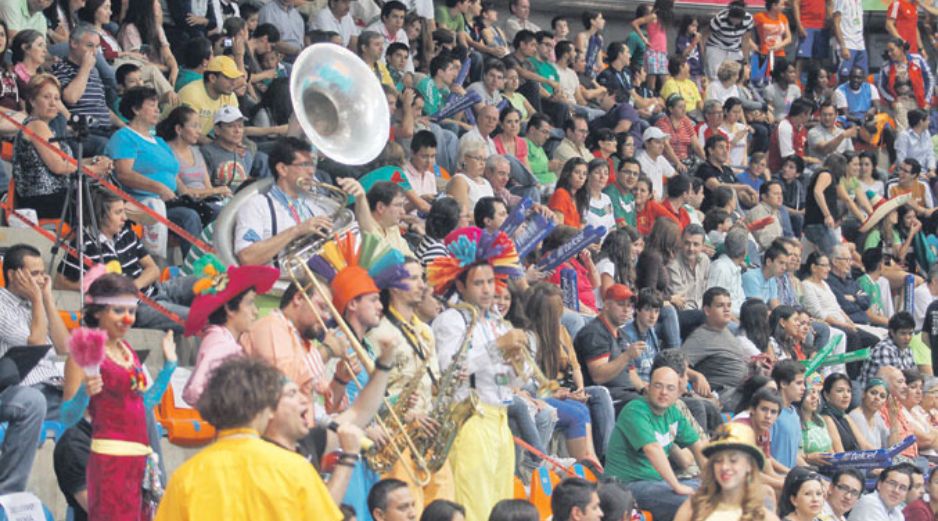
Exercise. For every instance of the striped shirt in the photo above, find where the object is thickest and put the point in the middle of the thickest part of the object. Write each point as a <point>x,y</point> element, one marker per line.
<point>126,249</point>
<point>727,35</point>
<point>16,315</point>
<point>92,102</point>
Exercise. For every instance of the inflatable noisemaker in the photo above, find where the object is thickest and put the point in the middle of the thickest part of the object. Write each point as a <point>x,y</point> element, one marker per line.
<point>818,359</point>
<point>86,346</point>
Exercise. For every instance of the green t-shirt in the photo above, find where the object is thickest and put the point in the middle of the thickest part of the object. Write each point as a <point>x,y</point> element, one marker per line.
<point>186,76</point>
<point>547,70</point>
<point>540,165</point>
<point>433,96</point>
<point>872,290</point>
<point>875,236</point>
<point>636,48</point>
<point>457,23</point>
<point>636,427</point>
<point>623,205</point>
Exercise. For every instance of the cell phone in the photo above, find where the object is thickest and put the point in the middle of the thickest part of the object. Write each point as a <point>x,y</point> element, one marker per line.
<point>228,43</point>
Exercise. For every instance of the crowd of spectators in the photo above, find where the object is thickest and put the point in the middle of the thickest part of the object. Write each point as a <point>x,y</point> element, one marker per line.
<point>764,201</point>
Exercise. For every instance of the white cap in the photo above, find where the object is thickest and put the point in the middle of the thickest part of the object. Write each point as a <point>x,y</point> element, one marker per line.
<point>228,114</point>
<point>653,133</point>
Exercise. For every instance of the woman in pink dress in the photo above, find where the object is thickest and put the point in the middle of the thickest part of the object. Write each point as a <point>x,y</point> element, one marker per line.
<point>116,401</point>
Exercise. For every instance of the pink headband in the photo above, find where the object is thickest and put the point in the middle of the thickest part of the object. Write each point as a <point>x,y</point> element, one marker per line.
<point>112,301</point>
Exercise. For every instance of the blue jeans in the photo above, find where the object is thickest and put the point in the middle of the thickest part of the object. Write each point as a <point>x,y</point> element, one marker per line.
<point>658,498</point>
<point>572,416</point>
<point>668,328</point>
<point>24,408</point>
<point>187,219</point>
<point>823,237</point>
<point>603,416</point>
<point>536,430</point>
<point>858,58</point>
<point>176,296</point>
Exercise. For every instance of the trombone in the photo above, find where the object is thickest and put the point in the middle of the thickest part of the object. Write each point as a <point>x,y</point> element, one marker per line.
<point>296,264</point>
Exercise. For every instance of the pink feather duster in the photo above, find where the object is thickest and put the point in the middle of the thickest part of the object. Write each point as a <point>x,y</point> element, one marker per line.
<point>86,346</point>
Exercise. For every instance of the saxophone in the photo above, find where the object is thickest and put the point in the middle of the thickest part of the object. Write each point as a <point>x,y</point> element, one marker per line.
<point>382,460</point>
<point>449,414</point>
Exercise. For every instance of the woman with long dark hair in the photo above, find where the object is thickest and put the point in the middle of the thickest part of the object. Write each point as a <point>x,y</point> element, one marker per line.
<point>785,326</point>
<point>142,31</point>
<point>652,272</point>
<point>754,331</point>
<point>570,200</point>
<point>837,393</point>
<point>615,262</point>
<point>557,359</point>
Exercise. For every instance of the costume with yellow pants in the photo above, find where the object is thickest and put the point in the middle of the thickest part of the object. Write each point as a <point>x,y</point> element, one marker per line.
<point>482,456</point>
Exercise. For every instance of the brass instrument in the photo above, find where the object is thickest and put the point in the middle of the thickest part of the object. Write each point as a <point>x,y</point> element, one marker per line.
<point>398,434</point>
<point>342,109</point>
<point>449,414</point>
<point>545,386</point>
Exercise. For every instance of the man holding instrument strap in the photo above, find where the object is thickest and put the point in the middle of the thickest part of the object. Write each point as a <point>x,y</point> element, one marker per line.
<point>267,223</point>
<point>482,455</point>
<point>415,359</point>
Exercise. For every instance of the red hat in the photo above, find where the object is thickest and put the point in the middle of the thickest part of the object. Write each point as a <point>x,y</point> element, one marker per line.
<point>225,287</point>
<point>618,293</point>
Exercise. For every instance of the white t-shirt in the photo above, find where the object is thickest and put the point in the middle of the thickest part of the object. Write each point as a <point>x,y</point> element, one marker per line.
<point>326,21</point>
<point>600,213</point>
<point>568,84</point>
<point>656,170</point>
<point>739,156</point>
<point>923,298</point>
<point>851,23</point>
<point>716,90</point>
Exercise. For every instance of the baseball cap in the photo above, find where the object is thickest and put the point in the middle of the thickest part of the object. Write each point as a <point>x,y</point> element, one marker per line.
<point>618,293</point>
<point>653,133</point>
<point>225,65</point>
<point>228,114</point>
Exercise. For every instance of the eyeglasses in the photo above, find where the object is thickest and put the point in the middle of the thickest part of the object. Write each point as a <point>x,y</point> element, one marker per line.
<point>474,157</point>
<point>849,492</point>
<point>891,483</point>
<point>823,265</point>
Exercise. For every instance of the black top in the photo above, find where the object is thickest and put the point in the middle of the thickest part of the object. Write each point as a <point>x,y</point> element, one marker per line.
<point>812,211</point>
<point>708,170</point>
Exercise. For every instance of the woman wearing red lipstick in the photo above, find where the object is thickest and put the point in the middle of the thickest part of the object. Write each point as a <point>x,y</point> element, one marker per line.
<point>802,496</point>
<point>116,402</point>
<point>731,486</point>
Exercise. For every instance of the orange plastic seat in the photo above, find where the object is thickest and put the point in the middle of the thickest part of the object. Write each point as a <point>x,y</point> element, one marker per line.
<point>184,427</point>
<point>520,492</point>
<point>543,481</point>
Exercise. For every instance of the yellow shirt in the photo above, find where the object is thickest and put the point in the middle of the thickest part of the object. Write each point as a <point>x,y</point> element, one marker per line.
<point>195,95</point>
<point>242,477</point>
<point>686,88</point>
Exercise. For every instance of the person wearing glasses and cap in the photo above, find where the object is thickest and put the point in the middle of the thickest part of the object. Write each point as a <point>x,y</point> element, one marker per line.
<point>885,503</point>
<point>731,484</point>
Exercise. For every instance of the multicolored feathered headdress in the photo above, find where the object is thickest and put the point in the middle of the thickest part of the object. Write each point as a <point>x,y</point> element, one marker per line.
<point>355,269</point>
<point>471,246</point>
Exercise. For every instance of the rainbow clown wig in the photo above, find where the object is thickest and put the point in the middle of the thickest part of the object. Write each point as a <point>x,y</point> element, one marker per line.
<point>471,246</point>
<point>354,269</point>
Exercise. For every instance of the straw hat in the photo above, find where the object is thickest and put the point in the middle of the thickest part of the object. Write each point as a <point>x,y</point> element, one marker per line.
<point>735,436</point>
<point>882,208</point>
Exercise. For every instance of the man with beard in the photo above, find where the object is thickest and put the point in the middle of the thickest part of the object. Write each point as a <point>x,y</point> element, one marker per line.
<point>415,360</point>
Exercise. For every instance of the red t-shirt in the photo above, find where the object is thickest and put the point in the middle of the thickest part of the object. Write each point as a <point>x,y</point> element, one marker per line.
<point>813,13</point>
<point>561,202</point>
<point>906,16</point>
